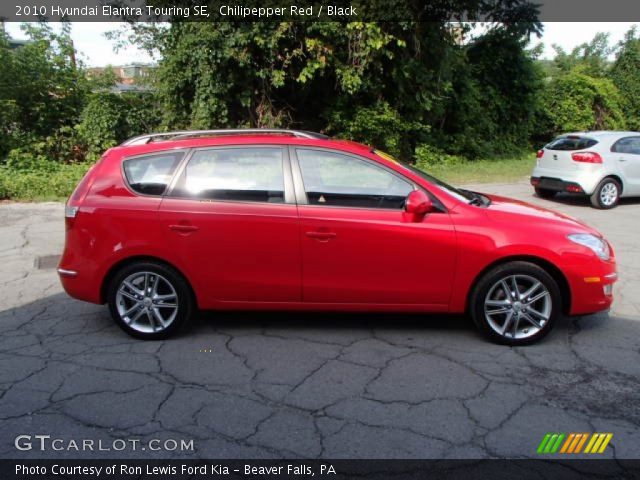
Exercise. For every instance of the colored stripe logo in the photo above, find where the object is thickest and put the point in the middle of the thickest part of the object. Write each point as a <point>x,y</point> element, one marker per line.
<point>574,443</point>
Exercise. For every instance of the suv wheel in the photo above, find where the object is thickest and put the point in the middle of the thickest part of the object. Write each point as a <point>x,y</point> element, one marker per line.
<point>149,300</point>
<point>607,194</point>
<point>516,303</point>
<point>544,193</point>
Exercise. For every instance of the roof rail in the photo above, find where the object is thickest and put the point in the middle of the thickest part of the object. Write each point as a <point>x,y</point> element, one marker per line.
<point>144,139</point>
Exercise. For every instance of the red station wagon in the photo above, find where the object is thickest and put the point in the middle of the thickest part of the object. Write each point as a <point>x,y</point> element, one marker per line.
<point>166,224</point>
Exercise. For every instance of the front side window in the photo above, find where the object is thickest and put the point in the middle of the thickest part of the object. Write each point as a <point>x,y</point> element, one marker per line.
<point>151,174</point>
<point>240,174</point>
<point>334,179</point>
<point>627,145</point>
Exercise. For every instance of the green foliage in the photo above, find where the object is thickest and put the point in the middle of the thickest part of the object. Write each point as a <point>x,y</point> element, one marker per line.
<point>108,119</point>
<point>493,98</point>
<point>393,84</point>
<point>624,74</point>
<point>55,182</point>
<point>577,102</point>
<point>40,84</point>
<point>378,125</point>
<point>427,157</point>
<point>62,145</point>
<point>590,58</point>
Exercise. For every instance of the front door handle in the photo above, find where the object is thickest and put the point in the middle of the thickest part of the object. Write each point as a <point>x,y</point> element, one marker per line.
<point>622,159</point>
<point>183,228</point>
<point>322,236</point>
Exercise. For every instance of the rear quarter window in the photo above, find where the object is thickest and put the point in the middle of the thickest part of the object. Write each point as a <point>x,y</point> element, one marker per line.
<point>151,174</point>
<point>571,143</point>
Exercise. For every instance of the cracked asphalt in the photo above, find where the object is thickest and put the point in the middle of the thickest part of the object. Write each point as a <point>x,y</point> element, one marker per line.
<point>256,385</point>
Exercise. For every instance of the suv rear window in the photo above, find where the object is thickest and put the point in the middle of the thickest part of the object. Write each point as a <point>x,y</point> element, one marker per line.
<point>151,174</point>
<point>571,143</point>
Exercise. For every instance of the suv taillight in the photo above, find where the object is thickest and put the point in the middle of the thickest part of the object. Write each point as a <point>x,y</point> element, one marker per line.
<point>540,153</point>
<point>586,157</point>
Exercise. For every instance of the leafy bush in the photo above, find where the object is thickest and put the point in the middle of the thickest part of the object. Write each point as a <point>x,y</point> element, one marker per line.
<point>380,126</point>
<point>108,119</point>
<point>427,156</point>
<point>63,146</point>
<point>577,102</point>
<point>31,184</point>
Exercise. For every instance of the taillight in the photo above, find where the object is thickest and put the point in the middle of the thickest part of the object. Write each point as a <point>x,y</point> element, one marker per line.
<point>75,200</point>
<point>70,213</point>
<point>540,153</point>
<point>586,157</point>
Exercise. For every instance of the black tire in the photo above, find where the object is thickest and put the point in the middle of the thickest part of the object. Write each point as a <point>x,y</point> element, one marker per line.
<point>526,274</point>
<point>544,193</point>
<point>118,302</point>
<point>600,200</point>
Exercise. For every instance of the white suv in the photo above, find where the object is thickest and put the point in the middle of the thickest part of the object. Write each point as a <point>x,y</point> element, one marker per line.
<point>603,165</point>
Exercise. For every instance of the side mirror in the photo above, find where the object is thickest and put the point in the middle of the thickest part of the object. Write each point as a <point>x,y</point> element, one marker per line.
<point>418,203</point>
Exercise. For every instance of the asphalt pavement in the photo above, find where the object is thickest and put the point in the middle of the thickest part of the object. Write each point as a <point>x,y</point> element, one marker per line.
<point>256,385</point>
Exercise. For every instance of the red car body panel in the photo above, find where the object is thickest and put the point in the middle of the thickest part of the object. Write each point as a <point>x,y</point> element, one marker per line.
<point>250,255</point>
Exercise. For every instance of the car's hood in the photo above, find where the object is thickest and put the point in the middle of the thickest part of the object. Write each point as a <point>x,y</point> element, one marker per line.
<point>509,207</point>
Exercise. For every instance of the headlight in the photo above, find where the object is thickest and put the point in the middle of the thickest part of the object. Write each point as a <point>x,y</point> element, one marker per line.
<point>598,245</point>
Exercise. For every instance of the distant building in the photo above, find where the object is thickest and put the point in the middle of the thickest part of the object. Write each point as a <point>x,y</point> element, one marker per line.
<point>129,78</point>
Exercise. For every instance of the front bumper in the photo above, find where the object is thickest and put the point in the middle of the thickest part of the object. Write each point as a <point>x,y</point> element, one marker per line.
<point>591,286</point>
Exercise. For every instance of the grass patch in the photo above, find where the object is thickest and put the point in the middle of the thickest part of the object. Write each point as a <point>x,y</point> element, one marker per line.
<point>499,170</point>
<point>31,185</point>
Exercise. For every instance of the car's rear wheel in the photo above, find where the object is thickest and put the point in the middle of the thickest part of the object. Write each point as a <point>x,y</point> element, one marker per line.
<point>544,193</point>
<point>516,303</point>
<point>606,194</point>
<point>150,300</point>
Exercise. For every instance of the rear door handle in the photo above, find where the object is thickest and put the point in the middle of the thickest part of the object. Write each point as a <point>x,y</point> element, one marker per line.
<point>183,228</point>
<point>322,236</point>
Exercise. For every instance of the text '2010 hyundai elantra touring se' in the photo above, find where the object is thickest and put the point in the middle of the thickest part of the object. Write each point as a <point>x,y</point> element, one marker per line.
<point>166,224</point>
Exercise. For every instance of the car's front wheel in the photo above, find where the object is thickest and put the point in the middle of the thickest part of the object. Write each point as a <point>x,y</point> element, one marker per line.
<point>150,300</point>
<point>516,303</point>
<point>607,194</point>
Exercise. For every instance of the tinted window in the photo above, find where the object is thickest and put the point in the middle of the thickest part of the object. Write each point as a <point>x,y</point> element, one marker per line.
<point>241,174</point>
<point>340,180</point>
<point>572,142</point>
<point>627,145</point>
<point>151,174</point>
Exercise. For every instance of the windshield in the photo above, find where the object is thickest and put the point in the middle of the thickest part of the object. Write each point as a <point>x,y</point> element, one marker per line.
<point>459,194</point>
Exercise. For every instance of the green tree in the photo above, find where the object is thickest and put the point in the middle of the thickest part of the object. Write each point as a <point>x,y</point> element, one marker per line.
<point>42,89</point>
<point>575,101</point>
<point>108,119</point>
<point>624,74</point>
<point>391,84</point>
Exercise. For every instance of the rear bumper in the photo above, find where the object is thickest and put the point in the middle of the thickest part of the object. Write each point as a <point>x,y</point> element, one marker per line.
<point>560,181</point>
<point>556,185</point>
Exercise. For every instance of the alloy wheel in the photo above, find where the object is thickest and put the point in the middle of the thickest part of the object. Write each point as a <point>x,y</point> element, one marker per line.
<point>147,302</point>
<point>608,194</point>
<point>518,306</point>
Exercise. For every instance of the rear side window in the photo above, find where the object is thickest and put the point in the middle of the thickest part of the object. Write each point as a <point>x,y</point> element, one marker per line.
<point>571,143</point>
<point>252,174</point>
<point>151,174</point>
<point>627,145</point>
